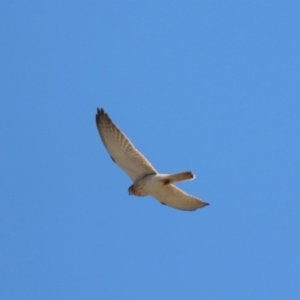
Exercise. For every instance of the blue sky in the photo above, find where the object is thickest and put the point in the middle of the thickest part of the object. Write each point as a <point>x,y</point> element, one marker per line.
<point>207,86</point>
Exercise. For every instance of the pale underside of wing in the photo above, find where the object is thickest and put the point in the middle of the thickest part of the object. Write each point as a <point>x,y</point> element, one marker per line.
<point>173,196</point>
<point>121,150</point>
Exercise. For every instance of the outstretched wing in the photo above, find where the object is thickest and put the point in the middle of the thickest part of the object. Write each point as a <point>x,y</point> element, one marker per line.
<point>121,150</point>
<point>173,196</point>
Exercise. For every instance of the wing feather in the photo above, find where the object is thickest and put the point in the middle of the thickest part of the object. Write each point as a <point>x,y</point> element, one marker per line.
<point>173,196</point>
<point>121,150</point>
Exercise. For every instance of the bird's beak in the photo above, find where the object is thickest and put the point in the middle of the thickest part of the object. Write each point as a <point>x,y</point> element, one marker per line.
<point>130,190</point>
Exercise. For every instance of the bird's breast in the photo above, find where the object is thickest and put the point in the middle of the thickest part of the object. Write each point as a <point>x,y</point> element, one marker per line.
<point>145,184</point>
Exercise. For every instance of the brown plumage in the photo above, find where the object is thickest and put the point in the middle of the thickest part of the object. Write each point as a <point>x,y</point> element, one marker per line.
<point>146,180</point>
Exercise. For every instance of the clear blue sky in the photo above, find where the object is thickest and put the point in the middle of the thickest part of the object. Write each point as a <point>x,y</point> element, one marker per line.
<point>207,86</point>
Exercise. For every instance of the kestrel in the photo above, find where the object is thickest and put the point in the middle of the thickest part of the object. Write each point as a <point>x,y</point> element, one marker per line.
<point>146,180</point>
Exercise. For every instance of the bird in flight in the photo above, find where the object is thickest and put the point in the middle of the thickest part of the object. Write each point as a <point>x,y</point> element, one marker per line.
<point>146,180</point>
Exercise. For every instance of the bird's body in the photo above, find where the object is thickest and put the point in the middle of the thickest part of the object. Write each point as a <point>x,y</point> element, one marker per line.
<point>146,184</point>
<point>146,180</point>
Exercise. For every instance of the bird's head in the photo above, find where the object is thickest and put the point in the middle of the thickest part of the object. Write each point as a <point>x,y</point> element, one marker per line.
<point>131,190</point>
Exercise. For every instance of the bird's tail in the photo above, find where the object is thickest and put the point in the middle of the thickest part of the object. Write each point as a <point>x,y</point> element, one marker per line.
<point>183,176</point>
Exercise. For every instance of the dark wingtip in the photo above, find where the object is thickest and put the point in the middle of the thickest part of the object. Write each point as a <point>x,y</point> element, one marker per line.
<point>100,111</point>
<point>98,115</point>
